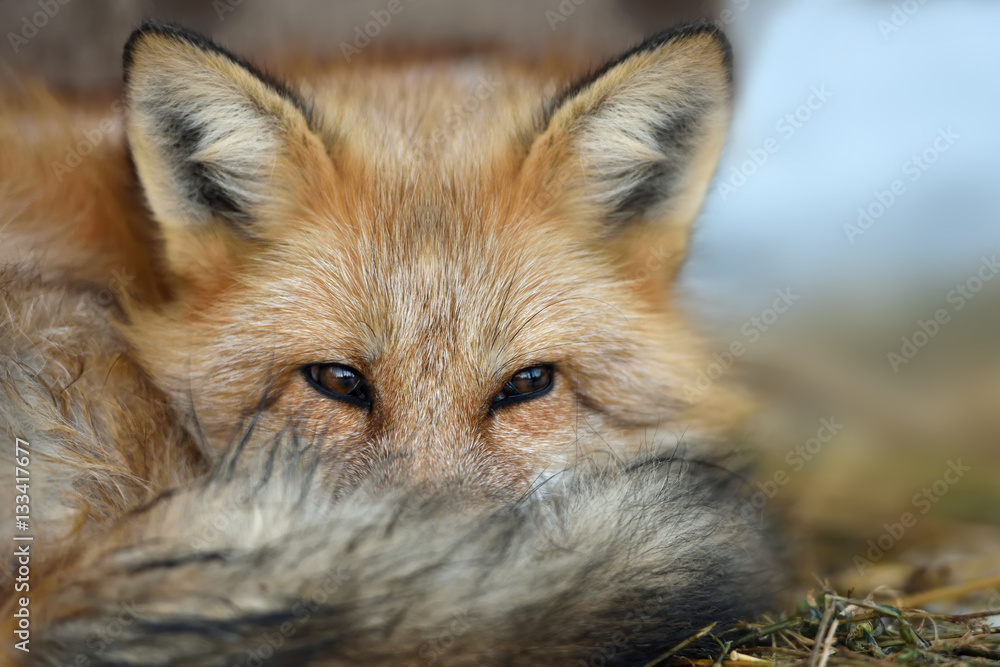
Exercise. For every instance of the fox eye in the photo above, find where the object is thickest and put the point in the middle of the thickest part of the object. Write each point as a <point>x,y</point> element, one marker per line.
<point>340,382</point>
<point>525,385</point>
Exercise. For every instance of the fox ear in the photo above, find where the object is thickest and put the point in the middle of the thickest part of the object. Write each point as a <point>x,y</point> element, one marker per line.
<point>218,147</point>
<point>636,144</point>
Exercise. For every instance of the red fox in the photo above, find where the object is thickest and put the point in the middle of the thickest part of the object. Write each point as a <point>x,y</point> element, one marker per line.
<point>389,372</point>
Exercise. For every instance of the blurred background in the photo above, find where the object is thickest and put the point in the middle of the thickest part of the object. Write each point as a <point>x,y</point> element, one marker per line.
<point>849,243</point>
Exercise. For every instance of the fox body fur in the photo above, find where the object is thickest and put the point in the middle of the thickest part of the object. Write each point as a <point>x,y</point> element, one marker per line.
<point>378,364</point>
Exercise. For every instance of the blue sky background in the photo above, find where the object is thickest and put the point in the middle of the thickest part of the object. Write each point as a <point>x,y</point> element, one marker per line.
<point>896,75</point>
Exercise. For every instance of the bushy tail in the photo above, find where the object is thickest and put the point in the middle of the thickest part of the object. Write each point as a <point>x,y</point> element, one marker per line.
<point>257,565</point>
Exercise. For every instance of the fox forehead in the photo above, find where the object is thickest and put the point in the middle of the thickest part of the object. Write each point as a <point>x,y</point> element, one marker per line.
<point>433,286</point>
<point>432,118</point>
<point>417,236</point>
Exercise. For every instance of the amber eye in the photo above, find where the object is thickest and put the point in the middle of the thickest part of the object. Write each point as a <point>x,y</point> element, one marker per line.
<point>340,382</point>
<point>525,385</point>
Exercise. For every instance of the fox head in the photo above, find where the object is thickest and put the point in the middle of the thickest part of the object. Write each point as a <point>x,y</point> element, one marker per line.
<point>446,273</point>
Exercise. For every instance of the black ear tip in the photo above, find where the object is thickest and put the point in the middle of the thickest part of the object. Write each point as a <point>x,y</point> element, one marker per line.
<point>678,33</point>
<point>133,40</point>
<point>205,45</point>
<point>154,27</point>
<point>688,30</point>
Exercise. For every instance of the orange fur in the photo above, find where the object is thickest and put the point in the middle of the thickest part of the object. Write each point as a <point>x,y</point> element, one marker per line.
<point>422,226</point>
<point>436,225</point>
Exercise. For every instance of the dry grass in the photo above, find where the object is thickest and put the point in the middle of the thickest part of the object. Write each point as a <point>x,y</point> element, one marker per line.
<point>830,629</point>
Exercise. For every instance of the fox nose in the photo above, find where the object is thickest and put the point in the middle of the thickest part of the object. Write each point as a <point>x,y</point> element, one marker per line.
<point>446,463</point>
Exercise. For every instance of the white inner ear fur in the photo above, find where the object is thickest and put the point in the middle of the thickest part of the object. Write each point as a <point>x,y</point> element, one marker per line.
<point>236,148</point>
<point>239,146</point>
<point>619,144</point>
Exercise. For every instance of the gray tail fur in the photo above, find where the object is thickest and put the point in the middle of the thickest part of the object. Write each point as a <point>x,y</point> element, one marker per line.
<point>256,566</point>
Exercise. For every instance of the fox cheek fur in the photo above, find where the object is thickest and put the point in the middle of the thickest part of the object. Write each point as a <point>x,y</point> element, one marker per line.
<point>328,229</point>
